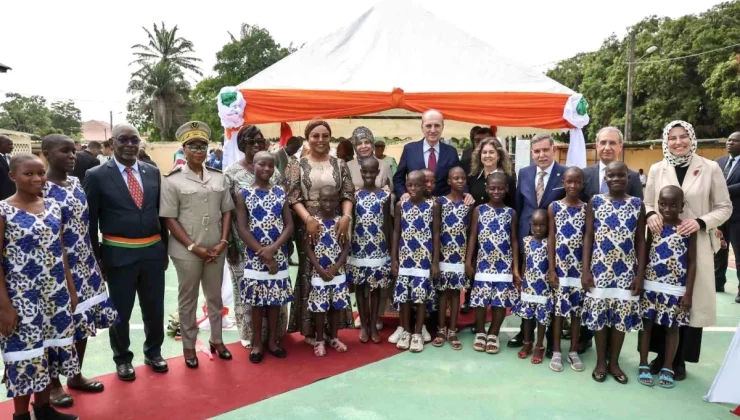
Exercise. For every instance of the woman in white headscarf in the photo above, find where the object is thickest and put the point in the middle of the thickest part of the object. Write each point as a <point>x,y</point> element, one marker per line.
<point>364,145</point>
<point>707,205</point>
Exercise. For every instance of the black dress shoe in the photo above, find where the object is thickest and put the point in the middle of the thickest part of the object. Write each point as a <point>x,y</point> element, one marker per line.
<point>192,363</point>
<point>126,372</point>
<point>583,346</point>
<point>157,363</point>
<point>720,289</point>
<point>515,342</point>
<point>548,353</point>
<point>737,298</point>
<point>280,353</point>
<point>46,412</point>
<point>222,351</point>
<point>26,416</point>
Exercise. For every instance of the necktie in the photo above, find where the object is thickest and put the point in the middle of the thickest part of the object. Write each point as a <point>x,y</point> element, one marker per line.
<point>134,188</point>
<point>603,188</point>
<point>432,165</point>
<point>540,190</point>
<point>728,167</point>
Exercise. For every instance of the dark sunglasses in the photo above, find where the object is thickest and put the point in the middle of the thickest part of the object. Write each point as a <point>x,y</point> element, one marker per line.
<point>380,146</point>
<point>252,142</point>
<point>196,148</point>
<point>128,140</point>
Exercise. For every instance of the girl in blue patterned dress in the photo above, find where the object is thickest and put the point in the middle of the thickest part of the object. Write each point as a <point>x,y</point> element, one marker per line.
<point>37,293</point>
<point>95,309</point>
<point>669,284</point>
<point>368,267</point>
<point>535,303</point>
<point>496,272</point>
<point>565,248</point>
<point>329,288</point>
<point>265,225</point>
<point>415,258</point>
<point>614,269</point>
<point>455,218</point>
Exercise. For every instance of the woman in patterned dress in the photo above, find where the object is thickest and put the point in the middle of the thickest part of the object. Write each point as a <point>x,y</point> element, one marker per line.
<point>265,225</point>
<point>367,267</point>
<point>240,175</point>
<point>565,246</point>
<point>415,258</point>
<point>94,310</point>
<point>455,221</point>
<point>37,293</point>
<point>535,303</point>
<point>303,181</point>
<point>669,284</point>
<point>614,269</point>
<point>493,227</point>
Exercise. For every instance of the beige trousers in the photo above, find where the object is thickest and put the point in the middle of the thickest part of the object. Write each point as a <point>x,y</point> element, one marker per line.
<point>191,274</point>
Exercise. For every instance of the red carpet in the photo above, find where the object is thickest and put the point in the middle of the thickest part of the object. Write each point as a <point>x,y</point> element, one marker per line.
<point>218,386</point>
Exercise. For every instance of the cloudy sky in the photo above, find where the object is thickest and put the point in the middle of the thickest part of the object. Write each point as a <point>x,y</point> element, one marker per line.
<point>81,49</point>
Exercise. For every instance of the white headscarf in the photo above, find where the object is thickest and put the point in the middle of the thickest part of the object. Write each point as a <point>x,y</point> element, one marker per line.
<point>674,160</point>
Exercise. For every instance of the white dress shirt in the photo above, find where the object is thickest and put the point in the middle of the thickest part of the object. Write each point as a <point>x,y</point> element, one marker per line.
<point>135,167</point>
<point>547,171</point>
<point>427,152</point>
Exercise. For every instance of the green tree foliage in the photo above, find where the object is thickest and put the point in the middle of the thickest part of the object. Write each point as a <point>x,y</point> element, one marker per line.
<point>243,57</point>
<point>703,89</point>
<point>30,114</point>
<point>161,92</point>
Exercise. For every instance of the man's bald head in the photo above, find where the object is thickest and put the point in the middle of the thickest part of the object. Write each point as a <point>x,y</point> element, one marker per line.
<point>432,125</point>
<point>6,144</point>
<point>733,144</point>
<point>124,129</point>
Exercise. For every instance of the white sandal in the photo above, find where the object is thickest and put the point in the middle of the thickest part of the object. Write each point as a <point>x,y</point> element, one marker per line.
<point>480,342</point>
<point>556,364</point>
<point>575,362</point>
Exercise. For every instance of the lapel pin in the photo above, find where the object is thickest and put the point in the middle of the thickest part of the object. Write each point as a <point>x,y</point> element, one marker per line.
<point>143,171</point>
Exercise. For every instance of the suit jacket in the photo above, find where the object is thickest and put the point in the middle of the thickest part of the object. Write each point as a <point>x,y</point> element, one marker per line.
<point>733,186</point>
<point>706,197</point>
<point>7,186</point>
<point>114,212</point>
<point>526,196</point>
<point>466,160</point>
<point>84,160</point>
<point>591,186</point>
<point>412,159</point>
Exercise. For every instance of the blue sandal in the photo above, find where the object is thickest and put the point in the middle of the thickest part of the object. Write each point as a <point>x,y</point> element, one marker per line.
<point>669,381</point>
<point>645,377</point>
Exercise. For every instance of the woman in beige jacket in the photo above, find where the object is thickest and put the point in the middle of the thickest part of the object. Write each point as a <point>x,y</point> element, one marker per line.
<point>707,206</point>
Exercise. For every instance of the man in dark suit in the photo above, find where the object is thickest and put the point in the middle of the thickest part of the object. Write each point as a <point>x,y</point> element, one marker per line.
<point>7,187</point>
<point>123,196</point>
<point>609,145</point>
<point>731,229</point>
<point>538,186</point>
<point>428,153</point>
<point>86,159</point>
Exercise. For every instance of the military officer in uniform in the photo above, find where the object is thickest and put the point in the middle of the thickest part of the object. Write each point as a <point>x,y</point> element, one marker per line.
<point>197,206</point>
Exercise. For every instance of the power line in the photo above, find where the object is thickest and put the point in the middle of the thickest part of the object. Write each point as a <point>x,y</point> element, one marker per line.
<point>63,98</point>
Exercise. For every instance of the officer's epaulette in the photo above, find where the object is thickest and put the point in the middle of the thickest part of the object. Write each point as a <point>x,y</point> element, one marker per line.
<point>175,170</point>
<point>213,169</point>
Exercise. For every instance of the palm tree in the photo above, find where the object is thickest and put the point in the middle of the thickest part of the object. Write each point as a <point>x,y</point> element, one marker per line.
<point>159,83</point>
<point>162,93</point>
<point>165,45</point>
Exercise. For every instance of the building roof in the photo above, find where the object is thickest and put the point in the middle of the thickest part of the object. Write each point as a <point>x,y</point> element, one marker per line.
<point>95,130</point>
<point>4,68</point>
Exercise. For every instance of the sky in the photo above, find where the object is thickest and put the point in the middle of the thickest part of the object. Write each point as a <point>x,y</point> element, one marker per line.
<point>81,50</point>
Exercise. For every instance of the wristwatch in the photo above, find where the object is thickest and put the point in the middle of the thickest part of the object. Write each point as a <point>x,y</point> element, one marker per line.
<point>191,246</point>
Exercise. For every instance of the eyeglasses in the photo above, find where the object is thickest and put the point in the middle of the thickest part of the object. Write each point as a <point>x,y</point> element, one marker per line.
<point>380,146</point>
<point>252,142</point>
<point>196,148</point>
<point>128,140</point>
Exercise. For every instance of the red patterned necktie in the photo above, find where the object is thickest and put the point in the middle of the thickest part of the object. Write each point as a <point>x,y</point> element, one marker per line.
<point>432,164</point>
<point>134,188</point>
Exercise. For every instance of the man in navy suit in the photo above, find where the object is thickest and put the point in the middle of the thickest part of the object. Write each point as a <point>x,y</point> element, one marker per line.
<point>123,196</point>
<point>539,185</point>
<point>731,229</point>
<point>7,187</point>
<point>427,153</point>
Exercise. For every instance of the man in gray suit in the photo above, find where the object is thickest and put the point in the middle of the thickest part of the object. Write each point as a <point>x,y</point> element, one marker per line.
<point>609,145</point>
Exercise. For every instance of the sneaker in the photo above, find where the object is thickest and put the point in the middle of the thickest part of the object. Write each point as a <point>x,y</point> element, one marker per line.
<point>425,334</point>
<point>417,345</point>
<point>404,342</point>
<point>393,339</point>
<point>379,325</point>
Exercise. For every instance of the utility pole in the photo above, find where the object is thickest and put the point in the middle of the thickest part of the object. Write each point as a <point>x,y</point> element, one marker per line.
<point>630,77</point>
<point>111,121</point>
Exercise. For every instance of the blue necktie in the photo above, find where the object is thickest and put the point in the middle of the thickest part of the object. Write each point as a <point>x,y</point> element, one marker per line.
<point>604,187</point>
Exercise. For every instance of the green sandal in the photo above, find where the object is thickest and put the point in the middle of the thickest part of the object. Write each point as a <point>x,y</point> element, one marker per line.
<point>645,377</point>
<point>665,380</point>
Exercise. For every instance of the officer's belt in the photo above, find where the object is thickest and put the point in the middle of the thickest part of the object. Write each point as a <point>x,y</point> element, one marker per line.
<point>199,221</point>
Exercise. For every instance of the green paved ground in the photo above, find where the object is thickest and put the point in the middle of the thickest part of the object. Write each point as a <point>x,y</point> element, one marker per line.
<point>441,383</point>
